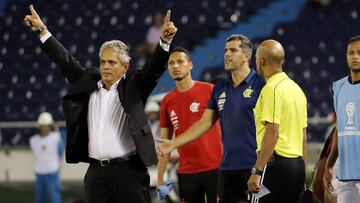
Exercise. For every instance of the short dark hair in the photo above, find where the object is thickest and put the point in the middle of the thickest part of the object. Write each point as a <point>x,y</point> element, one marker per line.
<point>183,50</point>
<point>246,45</point>
<point>354,39</point>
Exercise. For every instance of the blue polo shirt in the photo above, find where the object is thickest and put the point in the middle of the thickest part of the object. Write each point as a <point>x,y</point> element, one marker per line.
<point>235,107</point>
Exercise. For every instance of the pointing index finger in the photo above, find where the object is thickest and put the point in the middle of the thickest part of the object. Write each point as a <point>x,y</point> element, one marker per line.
<point>167,17</point>
<point>32,10</point>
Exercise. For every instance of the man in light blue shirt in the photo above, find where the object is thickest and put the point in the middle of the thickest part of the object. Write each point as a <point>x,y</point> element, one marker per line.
<point>347,138</point>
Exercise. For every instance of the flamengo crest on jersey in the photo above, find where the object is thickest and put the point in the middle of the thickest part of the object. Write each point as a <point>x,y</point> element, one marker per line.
<point>248,92</point>
<point>194,107</point>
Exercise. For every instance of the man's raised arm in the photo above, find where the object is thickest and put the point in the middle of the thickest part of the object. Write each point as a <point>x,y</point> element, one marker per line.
<point>69,66</point>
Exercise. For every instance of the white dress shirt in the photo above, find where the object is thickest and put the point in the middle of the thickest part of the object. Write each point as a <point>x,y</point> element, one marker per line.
<point>109,134</point>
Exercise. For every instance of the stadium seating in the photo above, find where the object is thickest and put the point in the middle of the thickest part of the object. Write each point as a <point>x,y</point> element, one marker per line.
<point>30,83</point>
<point>315,46</point>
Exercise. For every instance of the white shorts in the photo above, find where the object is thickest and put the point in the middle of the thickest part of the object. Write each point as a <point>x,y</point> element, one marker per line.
<point>334,181</point>
<point>348,192</point>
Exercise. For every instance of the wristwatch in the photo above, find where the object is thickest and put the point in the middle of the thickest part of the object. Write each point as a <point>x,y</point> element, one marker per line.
<point>163,41</point>
<point>42,28</point>
<point>257,171</point>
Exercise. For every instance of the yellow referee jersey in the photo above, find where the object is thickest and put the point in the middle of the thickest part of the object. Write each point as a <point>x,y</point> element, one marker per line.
<point>282,101</point>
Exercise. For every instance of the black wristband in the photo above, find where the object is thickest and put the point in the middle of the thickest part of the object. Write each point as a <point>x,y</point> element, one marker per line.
<point>163,41</point>
<point>256,171</point>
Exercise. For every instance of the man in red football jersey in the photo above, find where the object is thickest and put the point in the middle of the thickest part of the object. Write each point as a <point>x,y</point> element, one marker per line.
<point>184,105</point>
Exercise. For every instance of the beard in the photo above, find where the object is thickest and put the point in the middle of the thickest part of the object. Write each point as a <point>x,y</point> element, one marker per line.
<point>228,68</point>
<point>355,69</point>
<point>180,78</point>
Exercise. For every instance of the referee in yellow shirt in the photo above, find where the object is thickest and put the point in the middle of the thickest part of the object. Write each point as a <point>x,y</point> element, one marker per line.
<point>281,121</point>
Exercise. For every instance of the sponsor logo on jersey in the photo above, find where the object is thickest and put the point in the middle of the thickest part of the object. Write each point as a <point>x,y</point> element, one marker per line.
<point>221,101</point>
<point>350,109</point>
<point>174,120</point>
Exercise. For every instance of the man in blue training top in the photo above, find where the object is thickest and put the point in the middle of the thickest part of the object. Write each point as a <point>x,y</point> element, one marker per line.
<point>347,140</point>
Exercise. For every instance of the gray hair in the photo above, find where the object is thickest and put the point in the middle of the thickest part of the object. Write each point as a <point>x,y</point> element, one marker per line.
<point>120,47</point>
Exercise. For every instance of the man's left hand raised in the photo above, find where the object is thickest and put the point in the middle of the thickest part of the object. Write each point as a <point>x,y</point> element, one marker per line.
<point>168,29</point>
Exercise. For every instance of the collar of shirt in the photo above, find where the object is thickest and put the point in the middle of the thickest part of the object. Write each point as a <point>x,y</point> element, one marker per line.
<point>100,84</point>
<point>277,76</point>
<point>353,82</point>
<point>248,78</point>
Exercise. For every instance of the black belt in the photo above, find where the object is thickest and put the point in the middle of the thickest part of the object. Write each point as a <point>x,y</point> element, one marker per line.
<point>113,161</point>
<point>276,157</point>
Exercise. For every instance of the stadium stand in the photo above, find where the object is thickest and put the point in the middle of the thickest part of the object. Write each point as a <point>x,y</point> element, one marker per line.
<point>29,84</point>
<point>315,44</point>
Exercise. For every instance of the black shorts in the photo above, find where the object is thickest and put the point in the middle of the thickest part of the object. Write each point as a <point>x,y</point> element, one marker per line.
<point>195,187</point>
<point>234,187</point>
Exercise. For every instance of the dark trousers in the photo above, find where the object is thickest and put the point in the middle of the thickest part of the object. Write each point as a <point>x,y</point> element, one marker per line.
<point>285,178</point>
<point>120,182</point>
<point>194,187</point>
<point>234,188</point>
